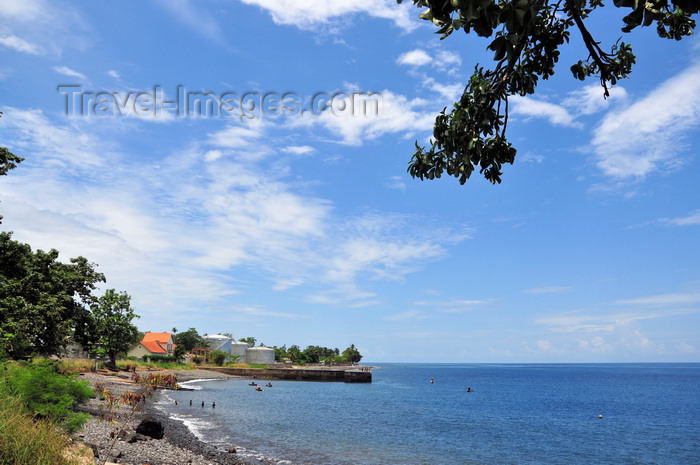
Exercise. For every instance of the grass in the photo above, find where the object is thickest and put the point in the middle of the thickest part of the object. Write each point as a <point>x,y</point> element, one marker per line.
<point>67,365</point>
<point>25,441</point>
<point>85,366</point>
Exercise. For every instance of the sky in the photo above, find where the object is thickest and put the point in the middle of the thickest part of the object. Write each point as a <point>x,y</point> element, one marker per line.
<point>284,211</point>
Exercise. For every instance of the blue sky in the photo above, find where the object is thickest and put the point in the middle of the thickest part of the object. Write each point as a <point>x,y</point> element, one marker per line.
<point>306,229</point>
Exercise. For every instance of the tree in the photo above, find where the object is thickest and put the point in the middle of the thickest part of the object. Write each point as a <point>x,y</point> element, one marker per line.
<point>248,340</point>
<point>189,339</point>
<point>42,300</point>
<point>351,354</point>
<point>296,355</point>
<point>219,357</point>
<point>179,352</point>
<point>8,161</point>
<point>113,333</point>
<point>280,353</point>
<point>315,354</point>
<point>526,35</point>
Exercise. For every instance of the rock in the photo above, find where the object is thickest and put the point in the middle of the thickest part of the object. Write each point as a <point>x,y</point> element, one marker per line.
<point>95,446</point>
<point>137,437</point>
<point>232,450</point>
<point>150,427</point>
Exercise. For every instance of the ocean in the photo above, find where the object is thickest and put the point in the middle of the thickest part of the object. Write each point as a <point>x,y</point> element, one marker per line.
<point>515,414</point>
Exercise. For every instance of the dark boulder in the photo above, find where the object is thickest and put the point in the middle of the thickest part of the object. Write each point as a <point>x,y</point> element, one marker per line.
<point>150,427</point>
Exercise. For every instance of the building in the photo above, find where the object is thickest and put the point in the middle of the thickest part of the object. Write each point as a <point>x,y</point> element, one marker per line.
<point>262,355</point>
<point>154,344</point>
<point>218,342</point>
<point>238,349</point>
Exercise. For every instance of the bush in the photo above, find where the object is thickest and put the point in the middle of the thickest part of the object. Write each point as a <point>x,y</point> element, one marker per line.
<point>127,365</point>
<point>76,365</point>
<point>160,358</point>
<point>218,357</point>
<point>24,441</point>
<point>47,393</point>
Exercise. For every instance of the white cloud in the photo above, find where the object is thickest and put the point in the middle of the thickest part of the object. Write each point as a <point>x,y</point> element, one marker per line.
<point>395,114</point>
<point>648,135</point>
<point>299,149</point>
<point>30,26</point>
<point>66,71</point>
<point>114,74</point>
<point>447,60</point>
<point>450,92</point>
<point>408,315</point>
<point>417,57</point>
<point>555,114</point>
<point>396,182</point>
<point>194,16</point>
<point>21,10</point>
<point>663,300</point>
<point>544,345</point>
<point>692,219</point>
<point>456,305</point>
<point>56,145</point>
<point>160,230</point>
<point>443,60</point>
<point>549,290</point>
<point>20,45</point>
<point>589,99</point>
<point>309,14</point>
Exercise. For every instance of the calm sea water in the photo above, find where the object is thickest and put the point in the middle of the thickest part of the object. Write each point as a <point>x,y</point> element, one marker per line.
<point>516,414</point>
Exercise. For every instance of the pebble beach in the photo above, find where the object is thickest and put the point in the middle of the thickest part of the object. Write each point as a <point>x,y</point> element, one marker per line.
<point>178,445</point>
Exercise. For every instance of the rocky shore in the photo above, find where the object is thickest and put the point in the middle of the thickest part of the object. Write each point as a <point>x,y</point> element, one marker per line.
<point>178,446</point>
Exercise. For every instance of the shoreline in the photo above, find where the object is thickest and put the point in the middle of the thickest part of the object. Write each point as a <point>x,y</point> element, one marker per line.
<point>179,445</point>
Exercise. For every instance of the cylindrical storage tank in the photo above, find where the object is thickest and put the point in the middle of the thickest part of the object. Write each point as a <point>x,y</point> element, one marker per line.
<point>219,342</point>
<point>239,348</point>
<point>263,355</point>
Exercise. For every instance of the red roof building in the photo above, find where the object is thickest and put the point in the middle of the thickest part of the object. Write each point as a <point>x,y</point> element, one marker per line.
<point>154,344</point>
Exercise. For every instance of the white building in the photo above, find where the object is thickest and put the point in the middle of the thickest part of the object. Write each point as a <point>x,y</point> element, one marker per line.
<point>238,348</point>
<point>263,355</point>
<point>219,342</point>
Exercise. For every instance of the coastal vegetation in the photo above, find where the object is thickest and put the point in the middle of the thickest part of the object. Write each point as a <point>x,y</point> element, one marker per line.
<point>317,354</point>
<point>25,440</point>
<point>36,411</point>
<point>47,304</point>
<point>47,393</point>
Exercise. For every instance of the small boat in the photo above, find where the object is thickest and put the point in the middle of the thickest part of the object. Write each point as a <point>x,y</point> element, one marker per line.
<point>252,383</point>
<point>258,388</point>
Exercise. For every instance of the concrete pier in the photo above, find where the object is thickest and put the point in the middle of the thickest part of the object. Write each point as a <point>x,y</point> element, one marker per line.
<point>320,373</point>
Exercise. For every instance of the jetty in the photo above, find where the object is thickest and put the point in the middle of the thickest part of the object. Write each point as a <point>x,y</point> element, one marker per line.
<point>346,374</point>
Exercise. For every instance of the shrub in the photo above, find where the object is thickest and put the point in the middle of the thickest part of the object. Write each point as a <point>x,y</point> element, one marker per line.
<point>25,441</point>
<point>160,358</point>
<point>76,365</point>
<point>218,357</point>
<point>47,393</point>
<point>128,365</point>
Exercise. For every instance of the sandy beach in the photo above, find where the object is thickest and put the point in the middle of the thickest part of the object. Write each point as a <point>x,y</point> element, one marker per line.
<point>178,445</point>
